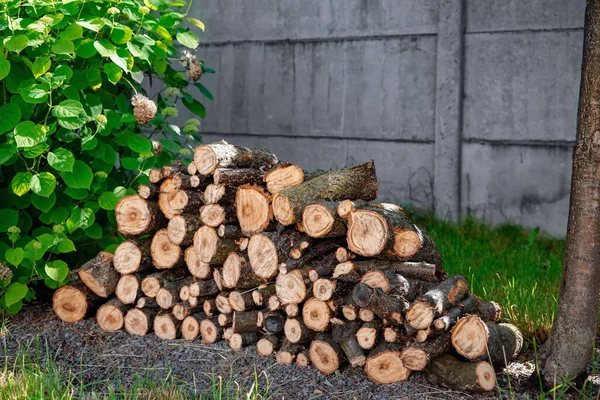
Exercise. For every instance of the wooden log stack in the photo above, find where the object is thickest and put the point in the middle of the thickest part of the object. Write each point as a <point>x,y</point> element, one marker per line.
<point>304,265</point>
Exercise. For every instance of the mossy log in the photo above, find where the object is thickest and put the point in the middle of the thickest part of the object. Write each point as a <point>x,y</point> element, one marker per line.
<point>237,177</point>
<point>448,372</point>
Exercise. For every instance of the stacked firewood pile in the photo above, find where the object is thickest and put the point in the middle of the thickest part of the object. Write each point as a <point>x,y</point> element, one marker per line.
<point>240,247</point>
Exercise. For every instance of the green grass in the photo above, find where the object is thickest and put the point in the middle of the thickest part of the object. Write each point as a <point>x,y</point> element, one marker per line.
<point>519,269</point>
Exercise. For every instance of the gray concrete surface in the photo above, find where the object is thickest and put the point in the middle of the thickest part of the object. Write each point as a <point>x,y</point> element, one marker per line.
<point>467,106</point>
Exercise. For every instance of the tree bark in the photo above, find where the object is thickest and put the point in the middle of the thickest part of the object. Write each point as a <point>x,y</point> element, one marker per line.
<point>448,372</point>
<point>353,271</point>
<point>344,333</point>
<point>287,353</point>
<point>385,306</point>
<point>99,275</point>
<point>181,228</point>
<point>149,191</point>
<point>224,155</point>
<point>238,177</point>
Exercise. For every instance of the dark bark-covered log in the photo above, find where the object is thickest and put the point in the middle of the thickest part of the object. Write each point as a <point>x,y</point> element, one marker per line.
<point>488,311</point>
<point>190,326</point>
<point>149,191</point>
<point>229,232</point>
<point>99,275</point>
<point>181,228</point>
<point>321,220</point>
<point>297,332</point>
<point>185,202</point>
<point>210,248</point>
<point>210,331</point>
<point>384,364</point>
<point>183,309</point>
<point>146,302</point>
<point>238,177</point>
<point>253,210</point>
<point>416,356</point>
<point>240,340</point>
<point>268,249</point>
<point>166,327</point>
<point>214,215</point>
<point>204,288</point>
<point>291,287</point>
<point>245,321</point>
<point>262,293</point>
<point>385,306</point>
<point>241,301</point>
<point>152,283</point>
<point>316,314</point>
<point>222,303</point>
<point>287,353</point>
<point>303,358</point>
<point>267,345</point>
<point>352,271</point>
<point>429,306</point>
<point>139,321</point>
<point>165,255</point>
<point>272,322</point>
<point>238,273</point>
<point>133,256</point>
<point>478,340</point>
<point>129,288</point>
<point>394,283</point>
<point>111,316</point>
<point>317,251</point>
<point>325,354</point>
<point>210,307</point>
<point>324,289</point>
<point>356,182</point>
<point>368,334</point>
<point>198,268</point>
<point>136,216</point>
<point>344,333</point>
<point>177,167</point>
<point>168,294</point>
<point>448,372</point>
<point>209,157</point>
<point>224,320</point>
<point>323,267</point>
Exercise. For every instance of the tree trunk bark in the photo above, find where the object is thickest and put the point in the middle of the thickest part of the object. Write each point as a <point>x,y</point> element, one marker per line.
<point>238,177</point>
<point>99,275</point>
<point>224,155</point>
<point>448,372</point>
<point>356,269</point>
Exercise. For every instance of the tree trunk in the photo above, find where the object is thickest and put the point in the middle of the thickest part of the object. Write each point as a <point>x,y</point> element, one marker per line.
<point>368,334</point>
<point>136,216</point>
<point>149,191</point>
<point>262,294</point>
<point>224,155</point>
<point>240,340</point>
<point>448,372</point>
<point>272,322</point>
<point>73,302</point>
<point>183,201</point>
<point>253,210</point>
<point>245,321</point>
<point>285,175</point>
<point>355,182</point>
<point>488,311</point>
<point>99,275</point>
<point>568,351</point>
<point>291,287</point>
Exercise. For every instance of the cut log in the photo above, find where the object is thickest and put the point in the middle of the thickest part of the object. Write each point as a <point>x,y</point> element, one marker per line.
<point>342,255</point>
<point>346,207</point>
<point>297,332</point>
<point>323,267</point>
<point>267,345</point>
<point>136,216</point>
<point>253,210</point>
<point>152,283</point>
<point>448,372</point>
<point>238,177</point>
<point>303,359</point>
<point>325,354</point>
<point>210,307</point>
<point>292,310</point>
<point>356,182</point>
<point>138,321</point>
<point>299,247</point>
<point>210,331</point>
<point>181,229</point>
<point>222,303</point>
<point>324,289</point>
<point>321,220</point>
<point>128,289</point>
<point>175,168</point>
<point>273,303</point>
<point>344,333</point>
<point>99,275</point>
<point>155,175</point>
<point>416,356</point>
<point>165,255</point>
<point>245,321</point>
<point>318,250</point>
<point>214,194</point>
<point>352,271</point>
<point>191,169</point>
<point>210,248</point>
<point>368,334</point>
<point>273,322</point>
<point>224,155</point>
<point>478,340</point>
<point>350,312</point>
<point>149,191</point>
<point>283,176</point>
<point>146,302</point>
<point>194,301</point>
<point>204,288</point>
<point>291,288</point>
<point>190,326</point>
<point>184,293</point>
<point>167,295</point>
<point>262,294</point>
<point>185,202</point>
<point>287,353</point>
<point>166,327</point>
<point>241,301</point>
<point>268,249</point>
<point>230,232</point>
<point>424,334</point>
<point>316,314</point>
<point>214,215</point>
<point>488,311</point>
<point>384,364</point>
<point>240,340</point>
<point>111,316</point>
<point>393,334</point>
<point>133,256</point>
<point>164,204</point>
<point>243,243</point>
<point>394,283</point>
<point>426,308</point>
<point>366,315</point>
<point>227,333</point>
<point>183,309</point>
<point>195,266</point>
<point>385,306</point>
<point>224,320</point>
<point>237,273</point>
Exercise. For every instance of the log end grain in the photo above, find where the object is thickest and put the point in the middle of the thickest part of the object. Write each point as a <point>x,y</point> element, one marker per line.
<point>367,233</point>
<point>128,257</point>
<point>324,357</point>
<point>190,328</point>
<point>386,367</point>
<point>127,289</point>
<point>134,216</point>
<point>165,327</point>
<point>316,314</point>
<point>262,254</point>
<point>252,208</point>
<point>110,317</point>
<point>70,304</point>
<point>197,268</point>
<point>283,177</point>
<point>290,287</point>
<point>137,322</point>
<point>283,210</point>
<point>317,220</point>
<point>165,255</point>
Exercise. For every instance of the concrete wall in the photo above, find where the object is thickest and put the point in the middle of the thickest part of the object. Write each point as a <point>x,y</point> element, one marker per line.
<point>466,106</point>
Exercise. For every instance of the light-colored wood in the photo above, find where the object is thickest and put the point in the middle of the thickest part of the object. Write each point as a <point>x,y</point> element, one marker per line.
<point>283,177</point>
<point>291,288</point>
<point>165,255</point>
<point>166,327</point>
<point>132,257</point>
<point>316,314</point>
<point>384,366</point>
<point>128,289</point>
<point>138,321</point>
<point>136,216</point>
<point>111,316</point>
<point>253,209</point>
<point>198,268</point>
<point>210,248</point>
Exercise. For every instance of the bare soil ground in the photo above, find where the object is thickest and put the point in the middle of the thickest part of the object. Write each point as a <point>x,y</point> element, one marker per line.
<point>94,355</point>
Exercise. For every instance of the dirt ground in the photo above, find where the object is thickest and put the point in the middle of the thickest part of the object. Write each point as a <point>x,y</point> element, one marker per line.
<point>96,355</point>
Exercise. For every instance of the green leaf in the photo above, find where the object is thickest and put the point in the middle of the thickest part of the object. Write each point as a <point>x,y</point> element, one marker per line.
<point>35,94</point>
<point>63,72</point>
<point>16,43</point>
<point>160,65</point>
<point>61,160</point>
<point>4,68</point>
<point>67,108</point>
<point>57,270</point>
<point>63,46</point>
<point>14,256</point>
<point>105,48</point>
<point>40,66</point>
<point>43,204</point>
<point>72,32</point>
<point>86,48</point>
<point>10,115</point>
<point>94,25</point>
<point>94,231</point>
<point>163,32</point>
<point>77,194</point>
<point>73,123</point>
<point>8,218</point>
<point>140,144</point>
<point>20,183</point>
<point>113,72</point>
<point>80,178</point>
<point>16,292</point>
<point>7,153</point>
<point>120,61</point>
<point>204,91</point>
<point>43,184</point>
<point>188,39</point>
<point>28,134</point>
<point>197,22</point>
<point>136,51</point>
<point>121,34</point>
<point>194,106</point>
<point>80,218</point>
<point>89,143</point>
<point>108,201</point>
<point>66,246</point>
<point>130,163</point>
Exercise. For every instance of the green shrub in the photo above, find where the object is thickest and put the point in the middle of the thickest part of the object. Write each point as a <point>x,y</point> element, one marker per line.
<point>70,138</point>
